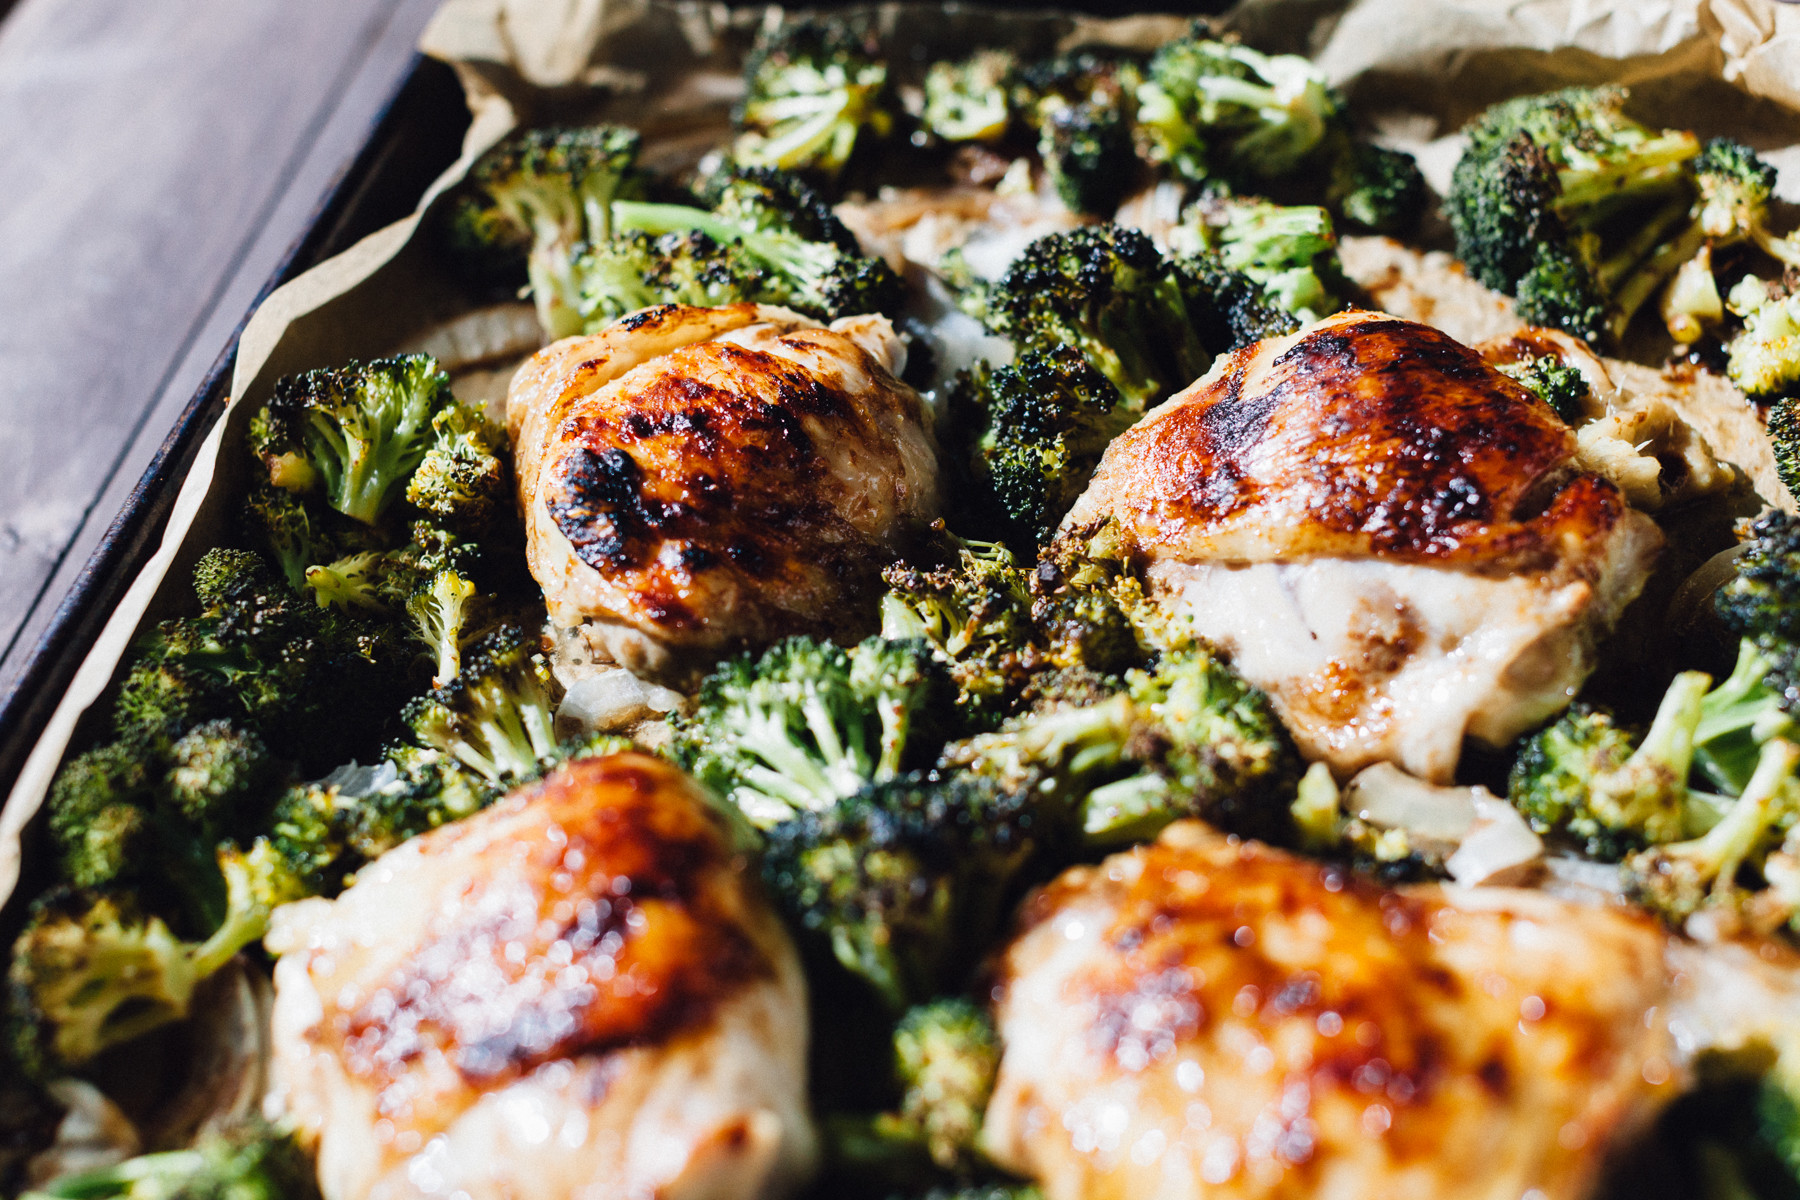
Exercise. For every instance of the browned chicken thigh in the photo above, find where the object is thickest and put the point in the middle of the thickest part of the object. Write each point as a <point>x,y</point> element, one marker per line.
<point>579,992</point>
<point>697,479</point>
<point>1386,534</point>
<point>1200,1017</point>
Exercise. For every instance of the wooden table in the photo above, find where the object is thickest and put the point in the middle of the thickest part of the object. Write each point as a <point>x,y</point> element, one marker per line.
<point>157,160</point>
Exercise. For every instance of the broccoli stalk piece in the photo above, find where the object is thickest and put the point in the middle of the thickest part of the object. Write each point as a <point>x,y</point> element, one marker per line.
<point>1564,202</point>
<point>946,1055</point>
<point>968,100</point>
<point>1677,879</point>
<point>1218,109</point>
<point>439,609</point>
<point>812,87</point>
<point>550,190</point>
<point>906,879</point>
<point>807,723</point>
<point>498,715</point>
<point>90,971</point>
<point>1107,292</point>
<point>1082,105</point>
<point>358,431</point>
<point>768,239</point>
<point>250,1160</point>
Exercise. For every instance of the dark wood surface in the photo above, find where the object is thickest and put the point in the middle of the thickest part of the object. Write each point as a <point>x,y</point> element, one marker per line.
<point>157,160</point>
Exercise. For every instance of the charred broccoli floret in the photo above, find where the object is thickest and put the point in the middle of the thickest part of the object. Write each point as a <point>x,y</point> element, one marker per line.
<point>1107,292</point>
<point>1564,202</point>
<point>356,432</point>
<point>462,483</point>
<point>1082,105</point>
<point>1229,309</point>
<point>1563,387</point>
<point>1735,186</point>
<point>1375,189</point>
<point>812,88</point>
<point>249,1160</point>
<point>298,535</point>
<point>91,970</point>
<point>806,723</point>
<point>946,1054</point>
<point>970,100</point>
<point>498,715</point>
<point>906,879</point>
<point>977,616</point>
<point>768,238</point>
<point>1212,109</point>
<point>546,192</point>
<point>1043,424</point>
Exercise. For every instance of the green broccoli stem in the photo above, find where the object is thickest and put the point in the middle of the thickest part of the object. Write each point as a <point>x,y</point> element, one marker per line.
<point>1722,850</point>
<point>1648,790</point>
<point>1643,242</point>
<point>165,1172</point>
<point>1593,191</point>
<point>1127,810</point>
<point>1735,718</point>
<point>1650,275</point>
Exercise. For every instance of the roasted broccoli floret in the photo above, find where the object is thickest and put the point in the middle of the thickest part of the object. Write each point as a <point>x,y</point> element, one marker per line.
<point>812,87</point>
<point>440,609</point>
<point>970,100</point>
<point>1212,109</point>
<point>768,238</point>
<point>976,615</point>
<point>1678,878</point>
<point>1376,190</point>
<point>1563,387</point>
<point>1107,292</point>
<point>298,535</point>
<point>946,1054</point>
<point>1227,307</point>
<point>91,970</point>
<point>498,715</point>
<point>1044,422</point>
<point>1585,776</point>
<point>905,880</point>
<point>250,1160</point>
<point>1082,105</point>
<point>1289,251</point>
<point>1763,359</point>
<point>1564,202</point>
<point>543,194</point>
<point>216,769</point>
<point>807,723</point>
<point>356,432</point>
<point>461,483</point>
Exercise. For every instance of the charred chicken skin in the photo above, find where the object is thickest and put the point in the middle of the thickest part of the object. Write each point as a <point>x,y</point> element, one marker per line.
<point>698,479</point>
<point>578,992</point>
<point>1385,533</point>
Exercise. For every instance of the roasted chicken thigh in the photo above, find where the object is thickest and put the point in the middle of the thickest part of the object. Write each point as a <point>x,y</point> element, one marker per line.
<point>695,479</point>
<point>1202,1017</point>
<point>1386,534</point>
<point>578,992</point>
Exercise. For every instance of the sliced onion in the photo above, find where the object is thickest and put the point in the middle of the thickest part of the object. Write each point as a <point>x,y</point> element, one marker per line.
<point>611,699</point>
<point>1386,796</point>
<point>1497,847</point>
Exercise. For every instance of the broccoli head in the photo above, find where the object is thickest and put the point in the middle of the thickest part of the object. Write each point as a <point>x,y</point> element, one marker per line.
<point>1082,105</point>
<point>1107,292</point>
<point>1763,360</point>
<point>498,715</point>
<point>906,879</point>
<point>1219,110</point>
<point>1565,202</point>
<point>247,1160</point>
<point>356,432</point>
<point>946,1054</point>
<point>768,239</point>
<point>969,100</point>
<point>544,193</point>
<point>91,970</point>
<point>1375,189</point>
<point>1563,387</point>
<point>1288,251</point>
<point>1228,308</point>
<point>461,483</point>
<point>812,87</point>
<point>806,723</point>
<point>297,534</point>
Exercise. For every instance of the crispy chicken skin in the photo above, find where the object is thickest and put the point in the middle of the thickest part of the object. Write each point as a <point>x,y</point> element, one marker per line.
<point>1200,1017</point>
<point>698,479</point>
<point>1388,535</point>
<point>574,993</point>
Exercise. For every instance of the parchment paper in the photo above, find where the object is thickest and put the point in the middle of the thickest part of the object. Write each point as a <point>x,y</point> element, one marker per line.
<point>1414,68</point>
